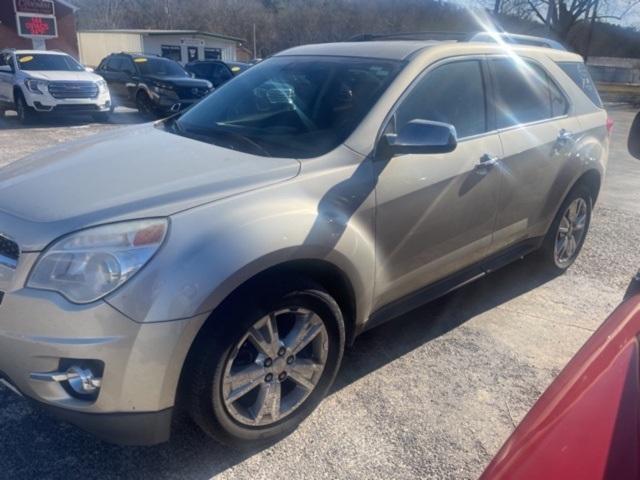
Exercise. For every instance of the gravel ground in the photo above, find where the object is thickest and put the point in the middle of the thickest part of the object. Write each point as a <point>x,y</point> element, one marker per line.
<point>432,395</point>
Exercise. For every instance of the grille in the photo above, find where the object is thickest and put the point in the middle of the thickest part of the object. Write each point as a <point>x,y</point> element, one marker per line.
<point>186,93</point>
<point>73,89</point>
<point>9,249</point>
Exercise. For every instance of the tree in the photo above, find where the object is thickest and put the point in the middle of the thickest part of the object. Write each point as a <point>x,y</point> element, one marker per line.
<point>560,16</point>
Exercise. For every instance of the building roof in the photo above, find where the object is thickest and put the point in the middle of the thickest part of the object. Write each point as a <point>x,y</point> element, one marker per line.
<point>67,4</point>
<point>142,31</point>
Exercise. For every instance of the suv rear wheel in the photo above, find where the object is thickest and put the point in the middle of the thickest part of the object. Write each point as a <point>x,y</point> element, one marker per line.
<point>568,230</point>
<point>266,367</point>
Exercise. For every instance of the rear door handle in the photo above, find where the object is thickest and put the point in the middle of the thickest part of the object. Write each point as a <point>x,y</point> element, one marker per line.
<point>486,163</point>
<point>565,136</point>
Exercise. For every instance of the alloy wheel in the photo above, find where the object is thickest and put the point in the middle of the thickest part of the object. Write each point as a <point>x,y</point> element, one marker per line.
<point>275,366</point>
<point>571,232</point>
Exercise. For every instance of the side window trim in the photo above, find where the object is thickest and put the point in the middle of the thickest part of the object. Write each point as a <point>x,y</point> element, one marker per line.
<point>390,117</point>
<point>549,79</point>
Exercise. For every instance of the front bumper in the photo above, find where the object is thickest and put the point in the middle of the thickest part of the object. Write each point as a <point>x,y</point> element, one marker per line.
<point>40,331</point>
<point>44,102</point>
<point>166,103</point>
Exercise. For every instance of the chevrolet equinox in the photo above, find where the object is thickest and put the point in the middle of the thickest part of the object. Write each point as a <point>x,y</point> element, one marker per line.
<point>220,260</point>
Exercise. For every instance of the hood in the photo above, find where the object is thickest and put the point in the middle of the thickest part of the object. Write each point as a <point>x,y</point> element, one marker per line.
<point>64,76</point>
<point>127,173</point>
<point>179,81</point>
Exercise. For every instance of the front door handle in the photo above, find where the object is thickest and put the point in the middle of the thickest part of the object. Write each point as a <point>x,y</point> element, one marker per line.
<point>486,163</point>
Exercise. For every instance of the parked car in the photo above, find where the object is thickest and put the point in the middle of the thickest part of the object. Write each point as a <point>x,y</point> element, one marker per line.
<point>34,82</point>
<point>216,71</point>
<point>586,424</point>
<point>220,260</point>
<point>154,85</point>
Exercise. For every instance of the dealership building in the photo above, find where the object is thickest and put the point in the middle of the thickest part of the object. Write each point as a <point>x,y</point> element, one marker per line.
<point>180,45</point>
<point>38,24</point>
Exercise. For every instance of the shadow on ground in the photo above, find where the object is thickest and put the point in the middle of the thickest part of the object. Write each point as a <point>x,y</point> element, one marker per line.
<point>33,445</point>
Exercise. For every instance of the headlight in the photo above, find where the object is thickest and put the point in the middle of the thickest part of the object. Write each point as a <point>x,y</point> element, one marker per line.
<point>36,86</point>
<point>102,86</point>
<point>89,264</point>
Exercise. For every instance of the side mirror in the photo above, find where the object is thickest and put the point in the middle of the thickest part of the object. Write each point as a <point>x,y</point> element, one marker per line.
<point>633,143</point>
<point>89,69</point>
<point>420,136</point>
<point>6,68</point>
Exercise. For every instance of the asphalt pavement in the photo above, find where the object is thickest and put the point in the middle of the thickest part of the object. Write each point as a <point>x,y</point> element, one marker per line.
<point>431,395</point>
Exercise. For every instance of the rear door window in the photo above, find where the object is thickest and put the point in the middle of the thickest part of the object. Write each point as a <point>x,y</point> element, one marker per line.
<point>578,72</point>
<point>524,93</point>
<point>453,93</point>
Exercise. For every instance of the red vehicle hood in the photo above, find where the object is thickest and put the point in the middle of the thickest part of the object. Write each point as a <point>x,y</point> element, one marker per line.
<point>586,425</point>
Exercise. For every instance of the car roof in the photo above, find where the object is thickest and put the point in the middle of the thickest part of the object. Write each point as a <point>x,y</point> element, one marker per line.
<point>33,52</point>
<point>406,49</point>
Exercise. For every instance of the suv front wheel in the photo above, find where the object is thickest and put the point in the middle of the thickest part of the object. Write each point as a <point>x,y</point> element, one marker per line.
<point>261,371</point>
<point>25,113</point>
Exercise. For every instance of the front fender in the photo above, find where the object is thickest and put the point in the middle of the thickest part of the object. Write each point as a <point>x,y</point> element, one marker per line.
<point>212,250</point>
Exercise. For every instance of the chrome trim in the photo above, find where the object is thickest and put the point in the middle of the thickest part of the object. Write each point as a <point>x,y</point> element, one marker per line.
<point>8,262</point>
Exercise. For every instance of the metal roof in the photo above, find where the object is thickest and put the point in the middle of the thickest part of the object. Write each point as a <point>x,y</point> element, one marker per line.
<point>67,4</point>
<point>142,31</point>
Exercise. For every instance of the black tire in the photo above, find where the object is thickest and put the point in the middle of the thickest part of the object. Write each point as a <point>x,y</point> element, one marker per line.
<point>145,106</point>
<point>26,114</point>
<point>547,253</point>
<point>202,386</point>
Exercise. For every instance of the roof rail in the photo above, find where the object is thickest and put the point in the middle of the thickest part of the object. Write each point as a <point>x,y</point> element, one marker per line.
<point>426,35</point>
<point>487,37</point>
<point>495,37</point>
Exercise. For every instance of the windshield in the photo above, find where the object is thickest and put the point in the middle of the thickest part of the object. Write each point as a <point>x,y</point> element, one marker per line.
<point>298,107</point>
<point>48,62</point>
<point>160,67</point>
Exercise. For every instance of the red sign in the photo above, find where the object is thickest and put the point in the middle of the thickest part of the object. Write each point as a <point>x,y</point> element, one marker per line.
<point>34,27</point>
<point>40,7</point>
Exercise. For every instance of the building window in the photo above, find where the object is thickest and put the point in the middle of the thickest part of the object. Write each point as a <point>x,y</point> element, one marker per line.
<point>212,53</point>
<point>173,52</point>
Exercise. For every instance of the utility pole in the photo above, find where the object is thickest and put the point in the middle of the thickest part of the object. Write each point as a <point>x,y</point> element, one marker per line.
<point>496,7</point>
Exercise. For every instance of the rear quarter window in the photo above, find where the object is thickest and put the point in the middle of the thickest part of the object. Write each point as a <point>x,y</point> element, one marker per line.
<point>578,72</point>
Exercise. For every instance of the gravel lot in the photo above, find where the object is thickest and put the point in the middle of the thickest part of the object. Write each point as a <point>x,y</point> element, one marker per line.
<point>432,395</point>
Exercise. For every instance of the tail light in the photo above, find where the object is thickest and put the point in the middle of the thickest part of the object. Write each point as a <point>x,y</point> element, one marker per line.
<point>609,125</point>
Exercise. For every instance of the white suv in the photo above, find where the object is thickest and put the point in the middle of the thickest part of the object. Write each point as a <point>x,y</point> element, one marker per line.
<point>47,81</point>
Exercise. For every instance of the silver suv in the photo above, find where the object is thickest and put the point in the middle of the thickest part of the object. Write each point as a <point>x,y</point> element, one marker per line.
<point>219,261</point>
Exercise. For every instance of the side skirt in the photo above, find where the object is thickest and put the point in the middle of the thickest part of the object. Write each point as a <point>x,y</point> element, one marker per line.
<point>440,288</point>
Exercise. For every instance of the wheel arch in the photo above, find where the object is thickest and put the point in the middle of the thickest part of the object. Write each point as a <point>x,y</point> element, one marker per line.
<point>326,274</point>
<point>592,180</point>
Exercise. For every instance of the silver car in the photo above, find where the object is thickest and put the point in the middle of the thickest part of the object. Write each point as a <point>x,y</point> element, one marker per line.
<point>220,261</point>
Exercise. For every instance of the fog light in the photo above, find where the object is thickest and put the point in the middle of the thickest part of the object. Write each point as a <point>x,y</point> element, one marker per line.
<point>82,380</point>
<point>79,380</point>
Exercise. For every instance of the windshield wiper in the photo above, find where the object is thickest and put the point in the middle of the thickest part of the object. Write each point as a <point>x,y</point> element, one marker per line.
<point>207,137</point>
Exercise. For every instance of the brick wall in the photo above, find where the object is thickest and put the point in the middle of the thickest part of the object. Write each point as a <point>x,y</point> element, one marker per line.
<point>67,40</point>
